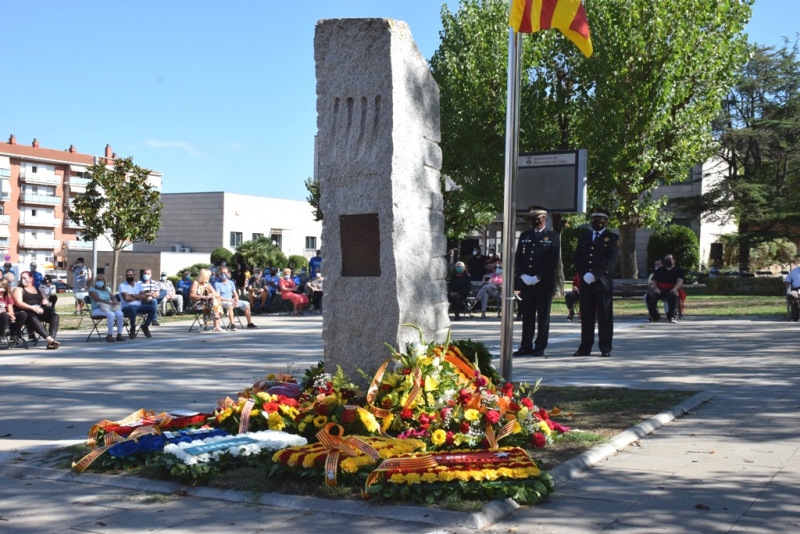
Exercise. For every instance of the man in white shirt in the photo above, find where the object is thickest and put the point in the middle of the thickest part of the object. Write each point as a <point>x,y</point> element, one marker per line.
<point>165,284</point>
<point>792,281</point>
<point>138,301</point>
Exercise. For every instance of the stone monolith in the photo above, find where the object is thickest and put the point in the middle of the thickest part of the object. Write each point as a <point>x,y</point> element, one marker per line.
<point>378,162</point>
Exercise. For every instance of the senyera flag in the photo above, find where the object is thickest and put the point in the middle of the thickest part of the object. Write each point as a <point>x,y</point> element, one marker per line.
<point>568,16</point>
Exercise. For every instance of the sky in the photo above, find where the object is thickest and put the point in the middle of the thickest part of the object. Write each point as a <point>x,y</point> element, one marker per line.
<point>217,96</point>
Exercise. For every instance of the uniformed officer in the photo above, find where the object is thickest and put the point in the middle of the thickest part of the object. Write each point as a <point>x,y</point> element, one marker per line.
<point>595,256</point>
<point>538,250</point>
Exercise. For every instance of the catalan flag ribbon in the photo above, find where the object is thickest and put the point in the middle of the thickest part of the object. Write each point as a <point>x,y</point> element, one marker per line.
<point>568,16</point>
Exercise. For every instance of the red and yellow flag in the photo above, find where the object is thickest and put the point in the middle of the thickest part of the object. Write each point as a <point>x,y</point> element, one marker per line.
<point>568,16</point>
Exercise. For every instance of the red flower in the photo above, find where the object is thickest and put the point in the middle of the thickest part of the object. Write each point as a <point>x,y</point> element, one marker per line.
<point>560,428</point>
<point>513,406</point>
<point>406,414</point>
<point>464,428</point>
<point>542,413</point>
<point>445,412</point>
<point>406,371</point>
<point>424,419</point>
<point>481,381</point>
<point>464,396</point>
<point>550,423</point>
<point>321,409</point>
<point>348,416</point>
<point>270,407</point>
<point>386,387</point>
<point>508,389</point>
<point>493,416</point>
<point>449,438</point>
<point>539,440</point>
<point>386,403</point>
<point>527,402</point>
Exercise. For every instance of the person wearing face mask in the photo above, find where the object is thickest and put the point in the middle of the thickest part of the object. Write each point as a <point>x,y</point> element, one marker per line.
<point>184,286</point>
<point>105,305</point>
<point>10,320</point>
<point>81,279</point>
<point>458,288</point>
<point>138,301</point>
<point>665,284</point>
<point>229,298</point>
<point>288,289</point>
<point>48,290</point>
<point>206,299</point>
<point>476,265</point>
<point>165,284</point>
<point>28,299</point>
<point>595,256</point>
<point>535,259</point>
<point>152,287</point>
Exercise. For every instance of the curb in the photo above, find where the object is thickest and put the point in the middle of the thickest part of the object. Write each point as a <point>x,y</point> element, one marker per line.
<point>564,472</point>
<point>491,513</point>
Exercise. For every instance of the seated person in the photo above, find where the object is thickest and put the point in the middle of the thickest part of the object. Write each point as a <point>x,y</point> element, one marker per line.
<point>288,289</point>
<point>458,289</point>
<point>105,305</point>
<point>136,301</point>
<point>9,320</point>
<point>792,282</point>
<point>28,299</point>
<point>492,289</point>
<point>48,290</point>
<point>151,286</point>
<point>316,291</point>
<point>301,280</point>
<point>11,278</point>
<point>665,284</point>
<point>258,292</point>
<point>492,262</point>
<point>165,284</point>
<point>273,281</point>
<point>204,297</point>
<point>184,286</point>
<point>573,296</point>
<point>229,298</point>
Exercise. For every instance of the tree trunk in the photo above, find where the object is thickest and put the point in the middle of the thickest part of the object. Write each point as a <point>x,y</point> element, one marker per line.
<point>627,252</point>
<point>114,264</point>
<point>744,248</point>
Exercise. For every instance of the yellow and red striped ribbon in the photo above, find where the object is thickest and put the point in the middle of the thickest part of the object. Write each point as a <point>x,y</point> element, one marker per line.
<point>160,420</point>
<point>337,445</point>
<point>493,439</point>
<point>407,464</point>
<point>87,460</point>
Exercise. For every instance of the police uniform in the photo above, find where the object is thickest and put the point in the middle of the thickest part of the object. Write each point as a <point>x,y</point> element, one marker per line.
<point>537,255</point>
<point>596,254</point>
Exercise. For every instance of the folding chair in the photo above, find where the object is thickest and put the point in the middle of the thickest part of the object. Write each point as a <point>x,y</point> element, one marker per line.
<point>127,323</point>
<point>237,315</point>
<point>161,296</point>
<point>85,312</point>
<point>282,305</point>
<point>95,320</point>
<point>199,316</point>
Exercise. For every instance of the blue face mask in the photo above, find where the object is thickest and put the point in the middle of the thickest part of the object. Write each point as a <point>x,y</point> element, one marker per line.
<point>223,277</point>
<point>100,284</point>
<point>145,277</point>
<point>459,270</point>
<point>188,278</point>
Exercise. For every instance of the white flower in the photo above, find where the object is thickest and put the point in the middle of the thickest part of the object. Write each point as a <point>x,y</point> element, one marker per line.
<point>269,440</point>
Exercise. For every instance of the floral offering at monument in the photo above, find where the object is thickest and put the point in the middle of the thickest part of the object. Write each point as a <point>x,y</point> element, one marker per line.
<point>175,420</point>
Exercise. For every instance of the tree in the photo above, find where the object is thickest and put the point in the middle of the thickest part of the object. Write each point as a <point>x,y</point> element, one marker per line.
<point>121,205</point>
<point>312,186</point>
<point>220,254</point>
<point>677,240</point>
<point>261,253</point>
<point>642,104</point>
<point>758,133</point>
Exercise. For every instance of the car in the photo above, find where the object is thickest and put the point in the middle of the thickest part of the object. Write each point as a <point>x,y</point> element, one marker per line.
<point>62,287</point>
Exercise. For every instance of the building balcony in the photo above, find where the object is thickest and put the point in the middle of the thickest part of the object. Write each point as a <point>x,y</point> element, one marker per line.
<point>69,223</point>
<point>39,178</point>
<point>5,189</point>
<point>43,200</point>
<point>40,243</point>
<point>77,185</point>
<point>78,245</point>
<point>41,222</point>
<point>5,219</point>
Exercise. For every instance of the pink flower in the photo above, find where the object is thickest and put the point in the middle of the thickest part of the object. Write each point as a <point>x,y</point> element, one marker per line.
<point>559,428</point>
<point>527,402</point>
<point>481,382</point>
<point>348,416</point>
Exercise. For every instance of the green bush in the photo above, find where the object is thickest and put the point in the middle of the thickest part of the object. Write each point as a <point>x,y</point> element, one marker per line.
<point>297,262</point>
<point>193,270</point>
<point>677,240</point>
<point>221,254</point>
<point>729,285</point>
<point>778,251</point>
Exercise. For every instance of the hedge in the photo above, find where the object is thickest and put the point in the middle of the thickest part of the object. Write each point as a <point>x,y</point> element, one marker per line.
<point>725,285</point>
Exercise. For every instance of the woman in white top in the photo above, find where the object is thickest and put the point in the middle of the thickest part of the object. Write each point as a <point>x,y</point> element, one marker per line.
<point>105,305</point>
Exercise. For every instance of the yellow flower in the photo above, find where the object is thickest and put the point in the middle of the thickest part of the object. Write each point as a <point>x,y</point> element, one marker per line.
<point>330,399</point>
<point>439,436</point>
<point>368,420</point>
<point>386,422</point>
<point>544,428</point>
<point>431,384</point>
<point>275,421</point>
<point>224,414</point>
<point>523,412</point>
<point>320,420</point>
<point>349,465</point>
<point>301,427</point>
<point>271,376</point>
<point>292,462</point>
<point>472,414</point>
<point>460,438</point>
<point>412,478</point>
<point>309,460</point>
<point>263,396</point>
<point>446,476</point>
<point>430,478</point>
<point>427,360</point>
<point>517,428</point>
<point>397,478</point>
<point>254,412</point>
<point>289,411</point>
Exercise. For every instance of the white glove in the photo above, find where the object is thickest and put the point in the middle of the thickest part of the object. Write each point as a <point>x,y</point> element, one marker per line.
<point>588,278</point>
<point>534,280</point>
<point>528,279</point>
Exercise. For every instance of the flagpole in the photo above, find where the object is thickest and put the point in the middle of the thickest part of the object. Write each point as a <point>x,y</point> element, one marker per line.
<point>510,201</point>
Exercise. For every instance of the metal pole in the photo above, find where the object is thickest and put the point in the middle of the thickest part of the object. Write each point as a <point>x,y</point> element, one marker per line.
<point>510,201</point>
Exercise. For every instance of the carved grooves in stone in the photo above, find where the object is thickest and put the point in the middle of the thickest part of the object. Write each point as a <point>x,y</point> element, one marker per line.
<point>376,123</point>
<point>333,128</point>
<point>362,127</point>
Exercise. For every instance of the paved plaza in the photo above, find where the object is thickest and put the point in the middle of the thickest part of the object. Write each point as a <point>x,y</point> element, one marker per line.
<point>730,465</point>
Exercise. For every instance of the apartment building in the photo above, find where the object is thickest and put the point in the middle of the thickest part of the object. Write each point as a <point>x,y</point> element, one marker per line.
<point>202,222</point>
<point>37,188</point>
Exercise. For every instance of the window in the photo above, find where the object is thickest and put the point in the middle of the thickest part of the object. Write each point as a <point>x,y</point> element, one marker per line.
<point>236,239</point>
<point>257,236</point>
<point>277,240</point>
<point>33,213</point>
<point>311,243</point>
<point>34,169</point>
<point>6,173</point>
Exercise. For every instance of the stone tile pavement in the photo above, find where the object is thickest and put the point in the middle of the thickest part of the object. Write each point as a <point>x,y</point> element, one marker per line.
<point>730,465</point>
